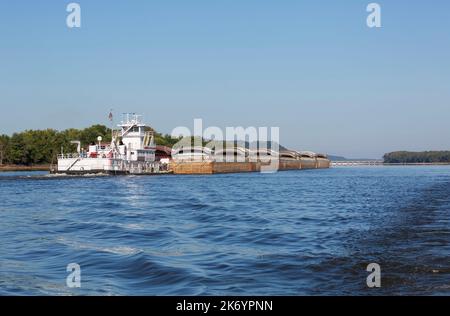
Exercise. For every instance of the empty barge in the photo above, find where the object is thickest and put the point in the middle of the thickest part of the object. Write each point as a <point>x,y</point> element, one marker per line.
<point>199,160</point>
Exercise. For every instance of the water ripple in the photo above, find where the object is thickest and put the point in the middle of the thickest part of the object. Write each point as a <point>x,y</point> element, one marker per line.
<point>291,233</point>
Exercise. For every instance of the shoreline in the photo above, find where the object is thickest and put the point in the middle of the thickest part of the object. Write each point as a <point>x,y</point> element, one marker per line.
<point>416,164</point>
<point>9,168</point>
<point>362,163</point>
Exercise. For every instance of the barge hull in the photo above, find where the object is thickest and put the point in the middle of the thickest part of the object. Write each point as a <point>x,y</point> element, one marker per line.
<point>193,167</point>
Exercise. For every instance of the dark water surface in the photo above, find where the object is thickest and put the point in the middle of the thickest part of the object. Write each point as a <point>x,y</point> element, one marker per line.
<point>291,233</point>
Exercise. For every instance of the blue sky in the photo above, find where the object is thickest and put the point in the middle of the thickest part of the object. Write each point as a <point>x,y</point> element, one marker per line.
<point>313,68</point>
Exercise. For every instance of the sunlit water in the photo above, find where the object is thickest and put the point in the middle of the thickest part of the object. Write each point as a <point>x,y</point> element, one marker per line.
<point>292,233</point>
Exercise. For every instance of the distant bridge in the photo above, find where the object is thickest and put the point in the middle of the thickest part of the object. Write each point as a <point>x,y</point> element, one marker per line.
<point>357,163</point>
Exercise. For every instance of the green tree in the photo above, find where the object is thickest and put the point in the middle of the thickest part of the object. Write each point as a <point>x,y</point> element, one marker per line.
<point>90,134</point>
<point>4,143</point>
<point>417,157</point>
<point>42,146</point>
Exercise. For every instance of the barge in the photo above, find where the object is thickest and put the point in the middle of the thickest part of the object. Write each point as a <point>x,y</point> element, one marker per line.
<point>250,162</point>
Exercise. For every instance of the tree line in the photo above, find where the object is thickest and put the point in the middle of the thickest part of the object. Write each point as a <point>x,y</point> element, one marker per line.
<point>417,157</point>
<point>34,147</point>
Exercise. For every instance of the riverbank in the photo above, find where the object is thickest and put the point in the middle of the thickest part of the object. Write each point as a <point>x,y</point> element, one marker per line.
<point>4,168</point>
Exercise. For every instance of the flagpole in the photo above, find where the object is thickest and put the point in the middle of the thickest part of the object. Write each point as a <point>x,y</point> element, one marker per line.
<point>112,123</point>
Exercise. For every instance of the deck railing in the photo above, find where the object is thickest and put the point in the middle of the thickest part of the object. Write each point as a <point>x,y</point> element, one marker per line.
<point>70,156</point>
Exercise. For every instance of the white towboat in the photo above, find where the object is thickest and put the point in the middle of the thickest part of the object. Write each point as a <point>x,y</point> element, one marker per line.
<point>131,151</point>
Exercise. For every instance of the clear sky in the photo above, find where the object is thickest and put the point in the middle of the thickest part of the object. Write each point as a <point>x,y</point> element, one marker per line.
<point>313,68</point>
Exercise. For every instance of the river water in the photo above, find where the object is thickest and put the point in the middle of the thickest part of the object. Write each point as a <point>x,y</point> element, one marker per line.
<point>309,232</point>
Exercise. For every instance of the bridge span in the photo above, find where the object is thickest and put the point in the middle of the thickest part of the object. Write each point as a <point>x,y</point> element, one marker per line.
<point>357,163</point>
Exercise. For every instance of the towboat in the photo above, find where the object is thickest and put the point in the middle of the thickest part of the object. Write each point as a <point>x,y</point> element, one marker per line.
<point>131,151</point>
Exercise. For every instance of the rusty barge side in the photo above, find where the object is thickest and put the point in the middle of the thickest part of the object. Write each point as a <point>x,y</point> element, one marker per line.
<point>212,167</point>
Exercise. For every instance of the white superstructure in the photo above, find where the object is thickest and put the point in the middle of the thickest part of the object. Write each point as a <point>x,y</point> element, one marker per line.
<point>132,150</point>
